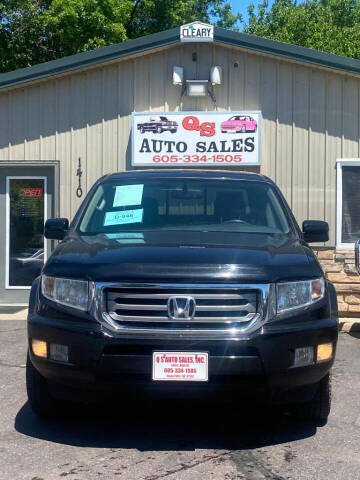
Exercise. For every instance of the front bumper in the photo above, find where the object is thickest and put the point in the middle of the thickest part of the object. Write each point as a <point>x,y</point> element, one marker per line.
<point>102,361</point>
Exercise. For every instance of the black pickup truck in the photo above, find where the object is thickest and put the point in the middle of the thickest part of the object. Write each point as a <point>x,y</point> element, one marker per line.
<point>158,125</point>
<point>186,283</point>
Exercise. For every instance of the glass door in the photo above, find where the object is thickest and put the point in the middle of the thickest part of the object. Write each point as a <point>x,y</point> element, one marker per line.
<point>27,205</point>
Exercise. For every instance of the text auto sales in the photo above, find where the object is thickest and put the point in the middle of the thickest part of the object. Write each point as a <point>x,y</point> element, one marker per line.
<point>206,129</point>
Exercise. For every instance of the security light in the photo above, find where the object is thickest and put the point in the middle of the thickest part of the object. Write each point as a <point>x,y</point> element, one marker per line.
<point>178,75</point>
<point>197,88</point>
<point>215,75</point>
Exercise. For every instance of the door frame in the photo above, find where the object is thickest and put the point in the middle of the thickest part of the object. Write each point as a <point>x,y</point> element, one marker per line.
<point>55,165</point>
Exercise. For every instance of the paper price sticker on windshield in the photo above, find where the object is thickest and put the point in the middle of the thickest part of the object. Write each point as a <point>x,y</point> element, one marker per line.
<point>180,366</point>
<point>126,195</point>
<point>123,217</point>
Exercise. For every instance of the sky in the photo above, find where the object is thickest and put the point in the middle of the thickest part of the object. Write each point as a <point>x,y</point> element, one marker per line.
<point>240,6</point>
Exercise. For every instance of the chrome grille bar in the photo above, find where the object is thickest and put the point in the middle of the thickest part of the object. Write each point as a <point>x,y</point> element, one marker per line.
<point>211,307</point>
<point>165,295</point>
<point>138,309</point>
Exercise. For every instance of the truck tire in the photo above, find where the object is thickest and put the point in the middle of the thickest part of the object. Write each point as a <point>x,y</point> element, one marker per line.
<point>41,402</point>
<point>318,408</point>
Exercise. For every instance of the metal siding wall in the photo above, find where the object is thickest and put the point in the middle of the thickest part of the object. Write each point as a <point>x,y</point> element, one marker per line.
<point>268,105</point>
<point>48,120</point>
<point>252,82</point>
<point>18,124</point>
<point>333,146</point>
<point>94,116</point>
<point>157,82</point>
<point>190,68</point>
<point>172,92</point>
<point>317,146</point>
<point>5,106</point>
<point>300,171</point>
<point>78,121</point>
<point>63,144</point>
<point>310,118</point>
<point>350,118</point>
<point>284,129</point>
<point>110,119</point>
<point>205,58</point>
<point>125,107</point>
<point>236,79</point>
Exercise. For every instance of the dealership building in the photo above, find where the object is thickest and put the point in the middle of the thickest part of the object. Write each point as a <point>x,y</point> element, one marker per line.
<point>193,96</point>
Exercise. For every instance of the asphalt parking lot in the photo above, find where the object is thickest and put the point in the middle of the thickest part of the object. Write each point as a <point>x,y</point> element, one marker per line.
<point>176,440</point>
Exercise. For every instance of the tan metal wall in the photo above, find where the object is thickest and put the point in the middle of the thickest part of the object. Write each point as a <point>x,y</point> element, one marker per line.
<point>310,118</point>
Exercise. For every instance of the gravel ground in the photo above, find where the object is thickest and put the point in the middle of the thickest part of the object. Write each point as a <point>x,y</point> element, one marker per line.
<point>174,440</point>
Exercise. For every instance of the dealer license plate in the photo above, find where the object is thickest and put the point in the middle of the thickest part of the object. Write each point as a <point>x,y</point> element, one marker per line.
<point>180,366</point>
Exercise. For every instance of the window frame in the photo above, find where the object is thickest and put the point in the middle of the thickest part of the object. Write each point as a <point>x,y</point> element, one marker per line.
<point>340,163</point>
<point>7,226</point>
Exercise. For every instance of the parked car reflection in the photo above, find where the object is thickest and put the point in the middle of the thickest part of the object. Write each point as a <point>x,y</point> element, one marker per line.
<point>26,266</point>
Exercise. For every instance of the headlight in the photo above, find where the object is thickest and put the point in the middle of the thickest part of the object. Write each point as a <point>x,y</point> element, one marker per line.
<point>299,294</point>
<point>66,291</point>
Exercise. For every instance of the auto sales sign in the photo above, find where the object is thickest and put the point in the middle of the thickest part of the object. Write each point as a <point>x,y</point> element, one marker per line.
<point>201,139</point>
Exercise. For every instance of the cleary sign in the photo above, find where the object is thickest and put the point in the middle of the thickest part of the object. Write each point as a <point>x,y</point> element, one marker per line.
<point>197,32</point>
<point>198,139</point>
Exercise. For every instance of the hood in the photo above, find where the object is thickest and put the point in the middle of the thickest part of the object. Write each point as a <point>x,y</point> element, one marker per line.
<point>168,256</point>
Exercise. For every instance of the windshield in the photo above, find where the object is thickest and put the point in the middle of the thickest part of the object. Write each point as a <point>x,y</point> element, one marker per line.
<point>239,206</point>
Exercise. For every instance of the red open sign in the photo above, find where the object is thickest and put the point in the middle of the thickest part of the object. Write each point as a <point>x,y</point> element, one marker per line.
<point>32,192</point>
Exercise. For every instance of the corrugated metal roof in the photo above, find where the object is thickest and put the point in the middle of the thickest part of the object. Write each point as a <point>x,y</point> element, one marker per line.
<point>169,37</point>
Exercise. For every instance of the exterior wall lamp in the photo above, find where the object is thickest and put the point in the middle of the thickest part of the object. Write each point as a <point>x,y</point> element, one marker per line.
<point>197,88</point>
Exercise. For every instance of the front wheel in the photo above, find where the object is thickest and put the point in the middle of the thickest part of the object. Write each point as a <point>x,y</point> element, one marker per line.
<point>41,402</point>
<point>318,409</point>
<point>159,130</point>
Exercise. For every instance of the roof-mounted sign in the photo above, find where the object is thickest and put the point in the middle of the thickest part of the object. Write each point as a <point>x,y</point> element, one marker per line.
<point>197,32</point>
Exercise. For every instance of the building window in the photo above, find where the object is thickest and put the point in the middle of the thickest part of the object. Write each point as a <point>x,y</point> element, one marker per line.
<point>25,217</point>
<point>348,203</point>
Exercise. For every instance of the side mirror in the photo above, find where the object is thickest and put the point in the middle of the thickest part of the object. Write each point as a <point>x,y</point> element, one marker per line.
<point>56,228</point>
<point>357,256</point>
<point>315,231</point>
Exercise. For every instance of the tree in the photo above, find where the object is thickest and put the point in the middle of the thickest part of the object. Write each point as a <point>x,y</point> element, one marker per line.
<point>35,31</point>
<point>328,25</point>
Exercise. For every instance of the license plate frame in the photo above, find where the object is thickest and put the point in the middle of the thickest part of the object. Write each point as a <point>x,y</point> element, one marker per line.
<point>181,364</point>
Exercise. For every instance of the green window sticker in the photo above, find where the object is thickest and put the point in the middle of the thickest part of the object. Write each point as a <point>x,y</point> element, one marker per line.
<point>126,195</point>
<point>124,217</point>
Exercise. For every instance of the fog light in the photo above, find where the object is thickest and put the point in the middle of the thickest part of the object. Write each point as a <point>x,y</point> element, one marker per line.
<point>324,352</point>
<point>304,356</point>
<point>60,353</point>
<point>39,348</point>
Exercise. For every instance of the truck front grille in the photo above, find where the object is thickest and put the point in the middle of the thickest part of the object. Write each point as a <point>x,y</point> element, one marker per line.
<point>147,306</point>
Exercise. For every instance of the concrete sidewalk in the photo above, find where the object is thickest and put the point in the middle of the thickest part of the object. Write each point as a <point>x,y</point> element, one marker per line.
<point>10,312</point>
